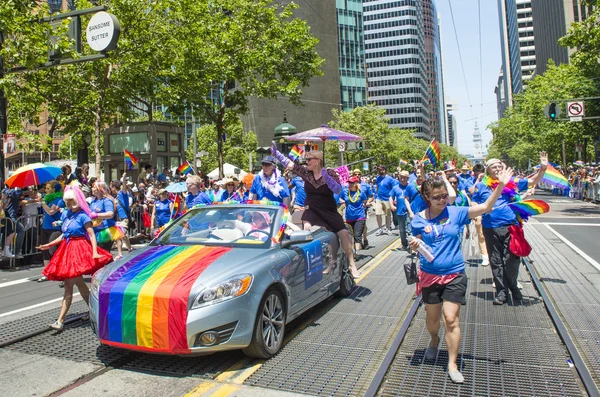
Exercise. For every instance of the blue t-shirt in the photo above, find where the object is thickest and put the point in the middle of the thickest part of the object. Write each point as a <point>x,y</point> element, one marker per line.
<point>163,212</point>
<point>355,211</point>
<point>48,219</point>
<point>262,193</point>
<point>298,188</point>
<point>11,205</point>
<point>501,214</point>
<point>200,198</point>
<point>444,238</point>
<point>365,187</point>
<point>123,211</point>
<point>417,203</point>
<point>225,196</point>
<point>461,200</point>
<point>398,193</point>
<point>161,177</point>
<point>74,223</point>
<point>100,206</point>
<point>384,187</point>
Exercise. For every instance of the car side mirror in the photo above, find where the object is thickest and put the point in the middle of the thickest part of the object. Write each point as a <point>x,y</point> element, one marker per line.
<point>297,237</point>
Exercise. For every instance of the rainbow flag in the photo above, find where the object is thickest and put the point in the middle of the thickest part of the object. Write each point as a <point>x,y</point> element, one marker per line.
<point>130,160</point>
<point>579,163</point>
<point>176,207</point>
<point>526,208</point>
<point>185,168</point>
<point>403,162</point>
<point>433,153</point>
<point>553,177</point>
<point>295,153</point>
<point>143,305</point>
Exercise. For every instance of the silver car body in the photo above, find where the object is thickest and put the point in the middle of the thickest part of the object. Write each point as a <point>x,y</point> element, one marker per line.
<point>271,266</point>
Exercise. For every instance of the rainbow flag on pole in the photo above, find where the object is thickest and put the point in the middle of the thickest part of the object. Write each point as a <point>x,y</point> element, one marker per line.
<point>433,153</point>
<point>185,168</point>
<point>143,304</point>
<point>295,153</point>
<point>553,177</point>
<point>130,160</point>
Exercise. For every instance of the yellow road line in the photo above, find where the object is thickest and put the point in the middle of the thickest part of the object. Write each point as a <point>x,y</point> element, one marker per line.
<point>225,390</point>
<point>201,389</point>
<point>239,371</point>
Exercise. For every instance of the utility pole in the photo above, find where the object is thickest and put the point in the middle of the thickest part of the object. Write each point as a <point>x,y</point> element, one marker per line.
<point>3,116</point>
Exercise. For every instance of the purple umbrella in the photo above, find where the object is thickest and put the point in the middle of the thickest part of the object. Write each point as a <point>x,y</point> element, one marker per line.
<point>323,133</point>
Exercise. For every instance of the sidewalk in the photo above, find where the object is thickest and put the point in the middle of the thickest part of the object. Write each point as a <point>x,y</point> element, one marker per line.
<point>573,284</point>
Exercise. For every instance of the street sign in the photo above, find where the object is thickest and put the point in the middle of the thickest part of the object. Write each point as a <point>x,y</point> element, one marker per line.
<point>342,146</point>
<point>102,32</point>
<point>365,166</point>
<point>575,111</point>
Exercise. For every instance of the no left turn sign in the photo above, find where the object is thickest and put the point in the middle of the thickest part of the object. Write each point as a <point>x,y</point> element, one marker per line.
<point>575,109</point>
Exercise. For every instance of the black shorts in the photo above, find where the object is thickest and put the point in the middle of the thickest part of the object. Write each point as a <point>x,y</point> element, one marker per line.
<point>358,228</point>
<point>455,291</point>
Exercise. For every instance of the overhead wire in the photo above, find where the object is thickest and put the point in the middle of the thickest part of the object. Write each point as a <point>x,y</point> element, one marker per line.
<point>460,57</point>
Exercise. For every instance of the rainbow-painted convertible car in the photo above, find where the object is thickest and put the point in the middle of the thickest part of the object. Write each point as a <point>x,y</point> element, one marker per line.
<point>220,277</point>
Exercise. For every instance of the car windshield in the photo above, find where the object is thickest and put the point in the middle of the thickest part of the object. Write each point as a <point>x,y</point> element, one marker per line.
<point>222,225</point>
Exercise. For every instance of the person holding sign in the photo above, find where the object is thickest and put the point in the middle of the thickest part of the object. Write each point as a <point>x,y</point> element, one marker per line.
<point>320,206</point>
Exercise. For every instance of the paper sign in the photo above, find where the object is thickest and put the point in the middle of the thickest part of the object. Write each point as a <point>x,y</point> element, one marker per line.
<point>344,173</point>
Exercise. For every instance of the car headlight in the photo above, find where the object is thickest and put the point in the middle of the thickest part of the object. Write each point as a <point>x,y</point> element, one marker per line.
<point>229,289</point>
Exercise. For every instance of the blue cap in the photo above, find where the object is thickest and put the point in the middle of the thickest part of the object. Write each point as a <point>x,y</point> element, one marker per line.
<point>268,159</point>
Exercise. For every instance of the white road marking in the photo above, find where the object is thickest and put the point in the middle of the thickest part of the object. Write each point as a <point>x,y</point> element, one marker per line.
<point>569,224</point>
<point>34,306</point>
<point>575,248</point>
<point>20,281</point>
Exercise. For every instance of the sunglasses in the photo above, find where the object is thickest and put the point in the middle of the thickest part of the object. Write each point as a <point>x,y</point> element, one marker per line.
<point>311,158</point>
<point>439,197</point>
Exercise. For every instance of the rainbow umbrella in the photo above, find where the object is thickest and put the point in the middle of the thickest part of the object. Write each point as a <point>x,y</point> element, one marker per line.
<point>33,175</point>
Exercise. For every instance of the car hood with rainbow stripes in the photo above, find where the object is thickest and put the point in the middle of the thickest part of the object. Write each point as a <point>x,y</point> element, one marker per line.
<point>144,299</point>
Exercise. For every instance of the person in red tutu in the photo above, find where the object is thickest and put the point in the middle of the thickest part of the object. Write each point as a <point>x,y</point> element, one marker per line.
<point>77,253</point>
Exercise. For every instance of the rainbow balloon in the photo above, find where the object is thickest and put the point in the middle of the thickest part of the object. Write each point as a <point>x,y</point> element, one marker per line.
<point>553,177</point>
<point>526,208</point>
<point>143,305</point>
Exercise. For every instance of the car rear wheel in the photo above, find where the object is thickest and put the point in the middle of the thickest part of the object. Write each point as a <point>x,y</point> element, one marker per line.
<point>346,280</point>
<point>269,328</point>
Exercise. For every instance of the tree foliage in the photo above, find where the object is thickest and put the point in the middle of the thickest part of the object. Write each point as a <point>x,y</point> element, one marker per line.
<point>385,144</point>
<point>524,130</point>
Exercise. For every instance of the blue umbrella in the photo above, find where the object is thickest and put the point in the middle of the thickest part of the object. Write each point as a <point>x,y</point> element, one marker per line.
<point>178,187</point>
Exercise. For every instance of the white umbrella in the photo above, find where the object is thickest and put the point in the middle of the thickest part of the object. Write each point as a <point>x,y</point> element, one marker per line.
<point>228,170</point>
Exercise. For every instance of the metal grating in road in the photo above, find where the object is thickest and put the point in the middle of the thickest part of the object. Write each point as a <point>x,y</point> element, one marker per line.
<point>505,350</point>
<point>27,325</point>
<point>204,366</point>
<point>339,353</point>
<point>576,299</point>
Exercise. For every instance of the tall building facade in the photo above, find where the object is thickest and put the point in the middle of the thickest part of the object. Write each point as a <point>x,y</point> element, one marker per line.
<point>351,53</point>
<point>320,96</point>
<point>396,63</point>
<point>433,69</point>
<point>517,45</point>
<point>552,20</point>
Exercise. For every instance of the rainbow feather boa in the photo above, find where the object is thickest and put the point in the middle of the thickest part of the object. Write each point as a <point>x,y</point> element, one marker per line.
<point>511,189</point>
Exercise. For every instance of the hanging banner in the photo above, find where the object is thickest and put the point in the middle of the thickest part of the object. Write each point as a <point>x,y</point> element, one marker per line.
<point>9,143</point>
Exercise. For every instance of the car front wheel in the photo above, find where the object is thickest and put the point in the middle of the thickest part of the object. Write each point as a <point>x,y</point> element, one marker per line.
<point>269,328</point>
<point>347,282</point>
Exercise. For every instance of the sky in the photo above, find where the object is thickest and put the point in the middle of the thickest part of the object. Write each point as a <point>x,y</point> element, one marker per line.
<point>476,102</point>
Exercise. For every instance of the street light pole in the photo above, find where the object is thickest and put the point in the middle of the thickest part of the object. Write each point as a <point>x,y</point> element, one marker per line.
<point>3,115</point>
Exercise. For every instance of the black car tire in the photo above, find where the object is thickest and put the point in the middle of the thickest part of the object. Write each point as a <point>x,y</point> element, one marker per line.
<point>347,282</point>
<point>269,327</point>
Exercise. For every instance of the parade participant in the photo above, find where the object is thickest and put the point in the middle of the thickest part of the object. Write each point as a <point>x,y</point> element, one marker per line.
<point>398,205</point>
<point>442,281</point>
<point>10,200</point>
<point>122,199</point>
<point>365,187</point>
<point>52,204</point>
<point>161,213</point>
<point>230,192</point>
<point>356,214</point>
<point>298,198</point>
<point>320,185</point>
<point>462,200</point>
<point>247,183</point>
<point>505,264</point>
<point>385,184</point>
<point>466,180</point>
<point>103,208</point>
<point>195,196</point>
<point>479,169</point>
<point>77,253</point>
<point>260,221</point>
<point>269,185</point>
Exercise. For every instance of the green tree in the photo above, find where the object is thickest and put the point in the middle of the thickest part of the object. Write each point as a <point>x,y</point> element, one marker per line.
<point>524,130</point>
<point>584,39</point>
<point>235,49</point>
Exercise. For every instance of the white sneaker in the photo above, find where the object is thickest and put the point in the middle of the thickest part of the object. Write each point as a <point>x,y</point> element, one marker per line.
<point>485,261</point>
<point>519,286</point>
<point>7,253</point>
<point>388,231</point>
<point>380,232</point>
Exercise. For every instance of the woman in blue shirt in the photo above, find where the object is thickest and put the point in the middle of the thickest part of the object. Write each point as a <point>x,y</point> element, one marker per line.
<point>52,204</point>
<point>443,282</point>
<point>103,208</point>
<point>77,253</point>
<point>161,214</point>
<point>356,214</point>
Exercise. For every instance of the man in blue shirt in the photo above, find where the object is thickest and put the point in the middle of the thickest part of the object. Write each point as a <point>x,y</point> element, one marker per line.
<point>10,200</point>
<point>505,264</point>
<point>195,196</point>
<point>385,184</point>
<point>399,206</point>
<point>269,184</point>
<point>366,188</point>
<point>120,191</point>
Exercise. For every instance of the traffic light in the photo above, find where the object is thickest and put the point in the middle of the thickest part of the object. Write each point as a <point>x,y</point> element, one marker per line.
<point>360,146</point>
<point>552,111</point>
